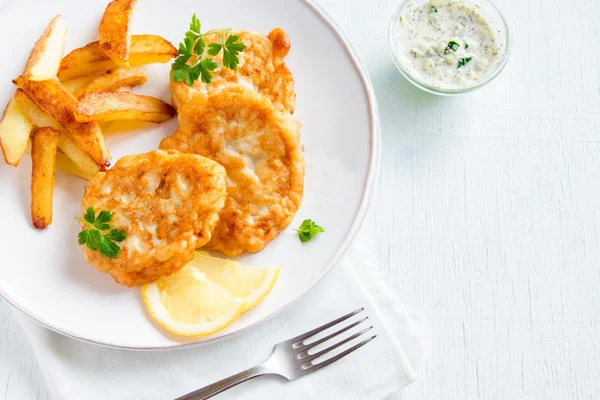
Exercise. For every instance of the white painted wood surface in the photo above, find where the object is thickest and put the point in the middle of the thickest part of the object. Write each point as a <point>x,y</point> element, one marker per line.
<point>485,222</point>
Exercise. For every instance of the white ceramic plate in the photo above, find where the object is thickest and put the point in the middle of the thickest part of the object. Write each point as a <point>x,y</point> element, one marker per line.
<point>44,274</point>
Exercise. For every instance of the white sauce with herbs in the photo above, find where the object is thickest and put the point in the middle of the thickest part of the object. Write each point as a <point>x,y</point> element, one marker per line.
<point>446,44</point>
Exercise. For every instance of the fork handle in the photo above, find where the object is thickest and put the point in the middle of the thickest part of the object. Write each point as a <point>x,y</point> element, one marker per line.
<point>227,383</point>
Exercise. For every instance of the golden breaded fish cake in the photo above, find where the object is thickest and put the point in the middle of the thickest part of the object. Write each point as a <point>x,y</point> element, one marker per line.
<point>261,151</point>
<point>168,204</point>
<point>261,69</point>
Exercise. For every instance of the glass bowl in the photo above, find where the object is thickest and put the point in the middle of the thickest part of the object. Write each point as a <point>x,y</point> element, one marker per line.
<point>488,11</point>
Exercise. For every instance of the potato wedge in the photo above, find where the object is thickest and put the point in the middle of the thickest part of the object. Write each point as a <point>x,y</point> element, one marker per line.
<point>64,163</point>
<point>44,60</point>
<point>75,86</point>
<point>145,49</point>
<point>84,164</point>
<point>44,142</point>
<point>114,30</point>
<point>15,129</point>
<point>40,119</point>
<point>84,61</point>
<point>55,100</point>
<point>116,106</point>
<point>150,49</point>
<point>114,80</point>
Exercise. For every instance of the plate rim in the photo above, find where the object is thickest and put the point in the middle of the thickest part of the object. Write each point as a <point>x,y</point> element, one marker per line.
<point>373,173</point>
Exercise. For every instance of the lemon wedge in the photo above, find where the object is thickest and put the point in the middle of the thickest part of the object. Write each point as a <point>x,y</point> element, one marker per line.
<point>207,295</point>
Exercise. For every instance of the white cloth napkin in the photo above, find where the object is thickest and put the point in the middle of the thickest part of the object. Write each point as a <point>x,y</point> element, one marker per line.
<point>76,370</point>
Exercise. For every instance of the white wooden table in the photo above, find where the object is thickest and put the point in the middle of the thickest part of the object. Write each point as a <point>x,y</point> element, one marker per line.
<point>486,221</point>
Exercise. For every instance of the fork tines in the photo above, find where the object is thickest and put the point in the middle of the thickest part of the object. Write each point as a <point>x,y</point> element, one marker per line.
<point>302,349</point>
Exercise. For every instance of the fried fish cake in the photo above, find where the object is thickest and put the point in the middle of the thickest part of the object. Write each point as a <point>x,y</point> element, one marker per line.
<point>168,204</point>
<point>261,151</point>
<point>261,69</point>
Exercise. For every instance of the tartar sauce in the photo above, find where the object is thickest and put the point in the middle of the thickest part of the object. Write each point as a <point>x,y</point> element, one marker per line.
<point>446,43</point>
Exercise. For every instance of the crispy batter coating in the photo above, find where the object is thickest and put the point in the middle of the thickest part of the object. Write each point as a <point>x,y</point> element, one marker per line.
<point>167,202</point>
<point>261,69</point>
<point>261,151</point>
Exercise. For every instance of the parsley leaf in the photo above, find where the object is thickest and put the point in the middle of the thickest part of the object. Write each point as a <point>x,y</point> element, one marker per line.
<point>102,220</point>
<point>466,46</point>
<point>195,25</point>
<point>90,215</point>
<point>433,9</point>
<point>214,48</point>
<point>206,66</point>
<point>232,48</point>
<point>93,236</point>
<point>463,61</point>
<point>308,229</point>
<point>193,63</point>
<point>118,235</point>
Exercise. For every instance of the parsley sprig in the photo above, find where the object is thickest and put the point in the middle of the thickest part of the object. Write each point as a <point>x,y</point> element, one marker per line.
<point>308,229</point>
<point>98,236</point>
<point>194,48</point>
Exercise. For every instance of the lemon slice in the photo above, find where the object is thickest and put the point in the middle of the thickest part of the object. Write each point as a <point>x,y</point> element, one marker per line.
<point>249,283</point>
<point>207,295</point>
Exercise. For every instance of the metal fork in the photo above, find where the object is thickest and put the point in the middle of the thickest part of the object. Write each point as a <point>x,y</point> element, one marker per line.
<point>291,359</point>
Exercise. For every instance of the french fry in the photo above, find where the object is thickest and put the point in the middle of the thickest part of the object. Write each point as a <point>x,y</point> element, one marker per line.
<point>115,38</point>
<point>86,168</point>
<point>15,128</point>
<point>145,49</point>
<point>43,155</point>
<point>55,100</point>
<point>44,60</point>
<point>114,80</point>
<point>116,106</point>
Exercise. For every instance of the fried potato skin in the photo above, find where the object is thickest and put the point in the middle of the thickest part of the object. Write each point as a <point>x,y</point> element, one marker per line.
<point>115,39</point>
<point>114,80</point>
<point>261,69</point>
<point>15,128</point>
<point>44,60</point>
<point>44,142</point>
<point>145,49</point>
<point>116,106</point>
<point>55,100</point>
<point>261,151</point>
<point>167,202</point>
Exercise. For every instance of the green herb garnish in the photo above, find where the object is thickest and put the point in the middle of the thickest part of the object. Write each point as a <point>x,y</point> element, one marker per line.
<point>231,47</point>
<point>194,47</point>
<point>463,61</point>
<point>401,19</point>
<point>466,46</point>
<point>308,230</point>
<point>98,235</point>
<point>453,45</point>
<point>434,9</point>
